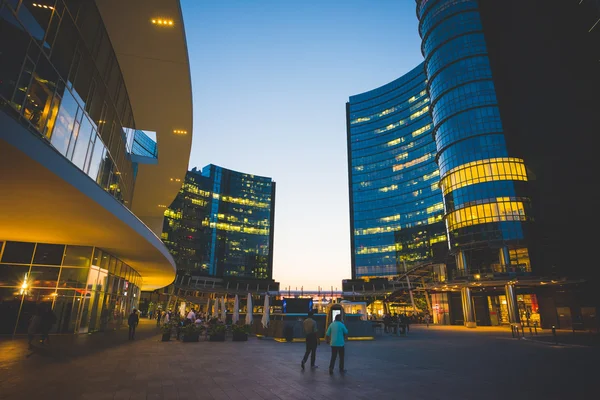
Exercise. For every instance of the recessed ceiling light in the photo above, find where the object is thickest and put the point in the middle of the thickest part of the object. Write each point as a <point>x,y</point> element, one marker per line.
<point>162,21</point>
<point>179,132</point>
<point>43,6</point>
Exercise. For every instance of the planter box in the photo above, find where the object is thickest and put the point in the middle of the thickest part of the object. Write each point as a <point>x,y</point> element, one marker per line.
<point>217,338</point>
<point>195,337</point>
<point>240,337</point>
<point>166,337</point>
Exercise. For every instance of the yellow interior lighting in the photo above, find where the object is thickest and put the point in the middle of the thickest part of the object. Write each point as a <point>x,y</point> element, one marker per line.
<point>484,213</point>
<point>493,169</point>
<point>180,132</point>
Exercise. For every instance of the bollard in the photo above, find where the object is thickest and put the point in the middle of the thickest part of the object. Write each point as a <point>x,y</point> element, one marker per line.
<point>530,331</point>
<point>554,334</point>
<point>512,330</point>
<point>535,327</point>
<point>522,330</point>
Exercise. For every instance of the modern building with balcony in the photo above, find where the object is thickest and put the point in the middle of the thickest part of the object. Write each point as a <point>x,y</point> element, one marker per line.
<point>219,229</point>
<point>396,206</point>
<point>95,136</point>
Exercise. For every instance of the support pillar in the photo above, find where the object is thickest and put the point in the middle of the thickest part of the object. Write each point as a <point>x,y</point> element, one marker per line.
<point>461,263</point>
<point>511,304</point>
<point>467,306</point>
<point>504,258</point>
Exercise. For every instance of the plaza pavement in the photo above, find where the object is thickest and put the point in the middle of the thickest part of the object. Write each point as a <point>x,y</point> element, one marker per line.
<point>429,363</point>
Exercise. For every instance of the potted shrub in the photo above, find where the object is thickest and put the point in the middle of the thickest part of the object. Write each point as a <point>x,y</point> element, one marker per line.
<point>240,332</point>
<point>216,333</point>
<point>166,332</point>
<point>191,333</point>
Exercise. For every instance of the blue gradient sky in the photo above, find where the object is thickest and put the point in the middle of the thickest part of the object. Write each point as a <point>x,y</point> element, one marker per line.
<point>270,82</point>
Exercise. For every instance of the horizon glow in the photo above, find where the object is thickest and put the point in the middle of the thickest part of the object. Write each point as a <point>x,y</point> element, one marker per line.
<point>270,80</point>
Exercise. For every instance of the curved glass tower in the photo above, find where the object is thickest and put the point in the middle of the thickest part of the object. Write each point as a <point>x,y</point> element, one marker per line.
<point>396,204</point>
<point>487,210</point>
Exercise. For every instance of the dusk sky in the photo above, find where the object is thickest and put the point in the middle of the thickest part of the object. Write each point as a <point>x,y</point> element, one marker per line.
<point>270,82</point>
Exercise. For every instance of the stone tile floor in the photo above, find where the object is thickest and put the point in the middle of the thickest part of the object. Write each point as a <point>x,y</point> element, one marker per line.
<point>429,363</point>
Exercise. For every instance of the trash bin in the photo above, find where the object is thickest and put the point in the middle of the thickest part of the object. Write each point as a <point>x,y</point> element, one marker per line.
<point>288,333</point>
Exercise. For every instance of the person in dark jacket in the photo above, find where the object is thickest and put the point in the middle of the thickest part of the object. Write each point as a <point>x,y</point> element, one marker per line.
<point>132,321</point>
<point>48,319</point>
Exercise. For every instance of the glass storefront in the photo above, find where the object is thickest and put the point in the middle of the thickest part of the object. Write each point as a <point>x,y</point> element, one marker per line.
<point>88,289</point>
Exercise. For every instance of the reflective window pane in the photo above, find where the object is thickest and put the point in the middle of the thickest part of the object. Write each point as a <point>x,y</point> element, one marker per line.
<point>73,278</point>
<point>43,276</point>
<point>13,275</point>
<point>49,254</point>
<point>61,135</point>
<point>78,256</point>
<point>83,143</point>
<point>10,302</point>
<point>13,42</point>
<point>18,252</point>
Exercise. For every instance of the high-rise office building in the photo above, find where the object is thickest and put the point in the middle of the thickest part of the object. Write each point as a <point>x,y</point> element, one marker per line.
<point>396,204</point>
<point>512,88</point>
<point>84,188</point>
<point>514,82</point>
<point>221,225</point>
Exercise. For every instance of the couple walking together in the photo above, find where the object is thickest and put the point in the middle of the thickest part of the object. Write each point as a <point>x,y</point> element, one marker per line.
<point>336,335</point>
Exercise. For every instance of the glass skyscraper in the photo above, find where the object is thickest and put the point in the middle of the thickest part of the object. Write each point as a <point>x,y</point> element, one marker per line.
<point>221,224</point>
<point>487,208</point>
<point>81,187</point>
<point>511,89</point>
<point>396,206</point>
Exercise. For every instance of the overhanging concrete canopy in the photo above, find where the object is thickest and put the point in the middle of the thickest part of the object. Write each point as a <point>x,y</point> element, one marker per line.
<point>45,198</point>
<point>155,66</point>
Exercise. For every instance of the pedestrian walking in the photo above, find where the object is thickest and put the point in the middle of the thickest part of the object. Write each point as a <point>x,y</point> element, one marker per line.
<point>34,325</point>
<point>133,321</point>
<point>335,336</point>
<point>309,326</point>
<point>48,319</point>
<point>427,319</point>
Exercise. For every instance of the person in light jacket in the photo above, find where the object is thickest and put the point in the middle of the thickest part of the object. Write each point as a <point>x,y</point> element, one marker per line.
<point>336,335</point>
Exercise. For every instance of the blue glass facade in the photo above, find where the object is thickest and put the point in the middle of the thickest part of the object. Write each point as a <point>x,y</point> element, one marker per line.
<point>396,204</point>
<point>487,210</point>
<point>143,145</point>
<point>221,224</point>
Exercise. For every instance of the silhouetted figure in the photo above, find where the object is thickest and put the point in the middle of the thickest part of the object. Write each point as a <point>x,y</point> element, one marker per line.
<point>133,321</point>
<point>309,326</point>
<point>34,324</point>
<point>48,319</point>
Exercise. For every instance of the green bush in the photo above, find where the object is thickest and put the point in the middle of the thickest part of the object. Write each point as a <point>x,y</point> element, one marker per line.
<point>192,329</point>
<point>216,329</point>
<point>165,328</point>
<point>241,329</point>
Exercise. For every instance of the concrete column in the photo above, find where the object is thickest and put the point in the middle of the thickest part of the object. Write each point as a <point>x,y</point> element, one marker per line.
<point>467,306</point>
<point>461,263</point>
<point>511,304</point>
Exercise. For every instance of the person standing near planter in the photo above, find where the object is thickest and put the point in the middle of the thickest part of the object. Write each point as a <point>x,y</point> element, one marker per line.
<point>133,321</point>
<point>336,335</point>
<point>310,329</point>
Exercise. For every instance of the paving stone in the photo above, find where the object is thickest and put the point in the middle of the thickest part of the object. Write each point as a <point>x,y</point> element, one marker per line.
<point>434,363</point>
